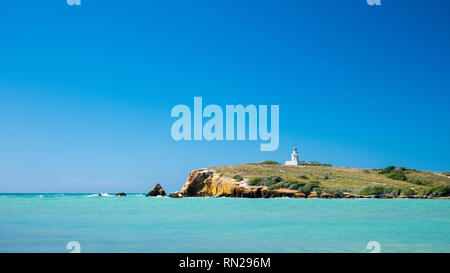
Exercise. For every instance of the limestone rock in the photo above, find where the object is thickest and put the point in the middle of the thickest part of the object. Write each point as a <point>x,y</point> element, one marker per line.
<point>326,195</point>
<point>313,195</point>
<point>157,190</point>
<point>207,182</point>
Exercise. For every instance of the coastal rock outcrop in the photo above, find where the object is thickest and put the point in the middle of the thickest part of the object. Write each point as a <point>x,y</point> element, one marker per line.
<point>175,195</point>
<point>120,194</point>
<point>157,190</point>
<point>326,195</point>
<point>318,181</point>
<point>207,182</point>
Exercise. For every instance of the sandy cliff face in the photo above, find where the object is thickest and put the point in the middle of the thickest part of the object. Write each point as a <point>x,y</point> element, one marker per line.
<point>207,182</point>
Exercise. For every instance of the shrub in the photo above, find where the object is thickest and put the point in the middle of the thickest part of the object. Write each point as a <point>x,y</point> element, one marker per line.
<point>310,187</point>
<point>254,181</point>
<point>303,177</point>
<point>396,191</point>
<point>441,191</point>
<point>394,172</point>
<point>305,189</point>
<point>238,178</point>
<point>388,170</point>
<point>375,190</point>
<point>408,192</point>
<point>317,164</point>
<point>294,186</point>
<point>284,184</point>
<point>266,181</point>
<point>318,190</point>
<point>277,179</point>
<point>269,162</point>
<point>337,193</point>
<point>418,182</point>
<point>397,176</point>
<point>274,186</point>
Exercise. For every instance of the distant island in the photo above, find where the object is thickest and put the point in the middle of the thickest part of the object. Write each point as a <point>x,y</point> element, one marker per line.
<point>270,179</point>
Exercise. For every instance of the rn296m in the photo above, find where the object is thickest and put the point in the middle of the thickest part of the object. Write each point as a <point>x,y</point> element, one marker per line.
<point>246,262</point>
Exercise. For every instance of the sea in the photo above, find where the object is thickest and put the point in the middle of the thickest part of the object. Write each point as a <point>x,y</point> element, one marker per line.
<point>135,223</point>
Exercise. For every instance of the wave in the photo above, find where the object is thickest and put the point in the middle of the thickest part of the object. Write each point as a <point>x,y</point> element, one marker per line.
<point>99,194</point>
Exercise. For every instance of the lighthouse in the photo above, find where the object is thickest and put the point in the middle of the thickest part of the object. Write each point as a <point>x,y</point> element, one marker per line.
<point>294,158</point>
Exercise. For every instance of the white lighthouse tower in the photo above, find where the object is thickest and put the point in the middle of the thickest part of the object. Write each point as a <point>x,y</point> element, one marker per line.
<point>294,158</point>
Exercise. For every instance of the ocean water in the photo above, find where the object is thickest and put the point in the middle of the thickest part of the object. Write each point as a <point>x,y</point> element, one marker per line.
<point>135,223</point>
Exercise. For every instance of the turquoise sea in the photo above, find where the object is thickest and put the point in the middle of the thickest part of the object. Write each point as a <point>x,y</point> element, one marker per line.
<point>135,223</point>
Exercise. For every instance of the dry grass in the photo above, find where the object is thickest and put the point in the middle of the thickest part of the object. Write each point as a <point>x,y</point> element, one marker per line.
<point>335,178</point>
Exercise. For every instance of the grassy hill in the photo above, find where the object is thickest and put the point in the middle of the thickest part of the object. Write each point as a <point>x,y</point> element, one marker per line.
<point>320,178</point>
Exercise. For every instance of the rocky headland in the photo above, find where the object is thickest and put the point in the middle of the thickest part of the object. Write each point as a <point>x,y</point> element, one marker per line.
<point>275,180</point>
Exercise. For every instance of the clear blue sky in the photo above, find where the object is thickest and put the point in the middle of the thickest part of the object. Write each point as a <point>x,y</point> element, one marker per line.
<point>86,91</point>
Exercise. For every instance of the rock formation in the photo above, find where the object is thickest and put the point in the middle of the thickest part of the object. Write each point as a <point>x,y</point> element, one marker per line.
<point>207,182</point>
<point>157,190</point>
<point>269,180</point>
<point>120,194</point>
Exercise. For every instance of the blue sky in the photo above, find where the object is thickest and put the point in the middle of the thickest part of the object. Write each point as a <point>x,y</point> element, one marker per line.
<point>86,91</point>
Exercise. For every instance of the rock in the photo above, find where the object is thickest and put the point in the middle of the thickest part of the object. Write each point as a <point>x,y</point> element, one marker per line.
<point>418,197</point>
<point>326,195</point>
<point>175,195</point>
<point>207,182</point>
<point>120,194</point>
<point>313,195</point>
<point>300,195</point>
<point>157,190</point>
<point>385,196</point>
<point>352,196</point>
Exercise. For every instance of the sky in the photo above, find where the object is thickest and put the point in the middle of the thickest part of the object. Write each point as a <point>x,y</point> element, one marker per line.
<point>86,91</point>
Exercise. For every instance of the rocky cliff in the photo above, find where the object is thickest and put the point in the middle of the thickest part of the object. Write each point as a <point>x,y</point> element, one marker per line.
<point>207,182</point>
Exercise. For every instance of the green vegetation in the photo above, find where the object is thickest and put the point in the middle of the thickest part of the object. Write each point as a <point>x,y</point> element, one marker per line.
<point>408,192</point>
<point>390,169</point>
<point>375,190</point>
<point>440,191</point>
<point>395,173</point>
<point>418,182</point>
<point>317,164</point>
<point>238,178</point>
<point>394,181</point>
<point>308,188</point>
<point>397,176</point>
<point>269,162</point>
<point>264,181</point>
<point>378,191</point>
<point>254,181</point>
<point>337,193</point>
